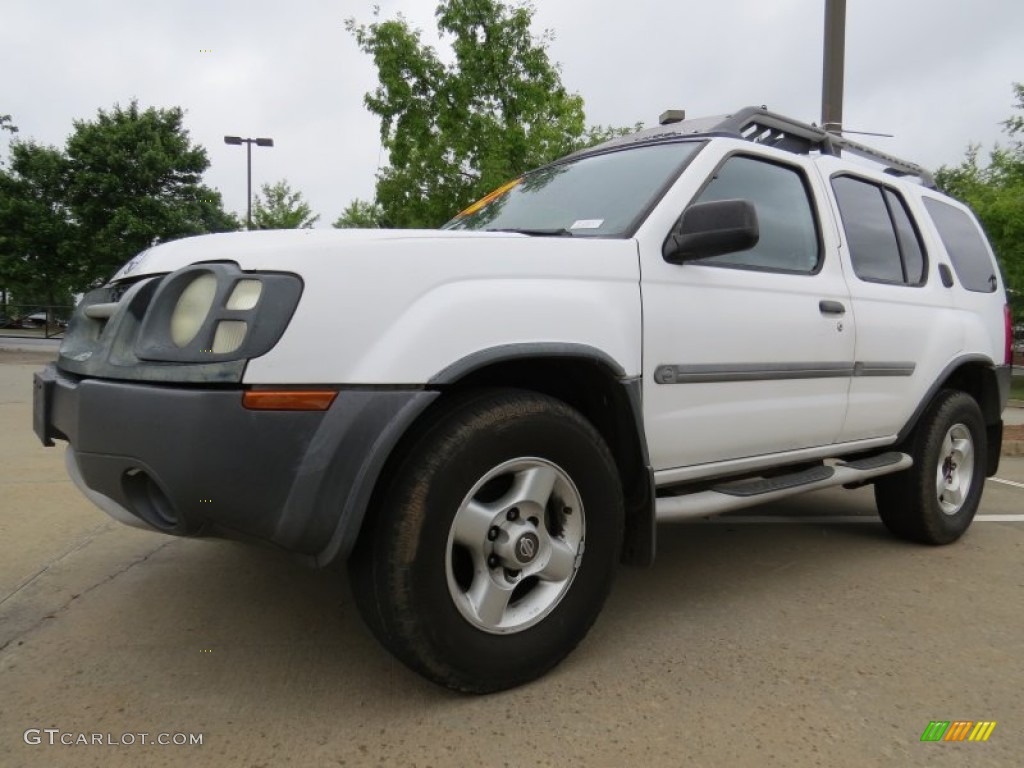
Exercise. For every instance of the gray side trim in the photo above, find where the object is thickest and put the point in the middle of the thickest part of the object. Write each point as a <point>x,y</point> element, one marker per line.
<point>884,369</point>
<point>507,352</point>
<point>699,374</point>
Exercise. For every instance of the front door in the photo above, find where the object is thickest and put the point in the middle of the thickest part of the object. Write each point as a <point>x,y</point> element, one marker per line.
<point>748,353</point>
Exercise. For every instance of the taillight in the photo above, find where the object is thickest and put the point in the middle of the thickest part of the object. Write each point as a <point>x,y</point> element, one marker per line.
<point>1009,334</point>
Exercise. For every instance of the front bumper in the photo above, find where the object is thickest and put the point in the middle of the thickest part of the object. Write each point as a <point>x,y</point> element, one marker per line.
<point>192,460</point>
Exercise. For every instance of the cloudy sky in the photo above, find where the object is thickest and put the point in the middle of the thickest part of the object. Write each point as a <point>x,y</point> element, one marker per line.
<point>935,73</point>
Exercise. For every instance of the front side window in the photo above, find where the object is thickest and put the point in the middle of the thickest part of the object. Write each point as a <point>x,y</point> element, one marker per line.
<point>964,245</point>
<point>884,246</point>
<point>596,196</point>
<point>788,240</point>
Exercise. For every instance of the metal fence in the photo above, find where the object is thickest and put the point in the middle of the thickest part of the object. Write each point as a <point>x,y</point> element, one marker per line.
<point>36,321</point>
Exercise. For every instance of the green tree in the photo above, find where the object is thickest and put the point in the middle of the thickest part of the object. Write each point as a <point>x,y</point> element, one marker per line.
<point>454,131</point>
<point>995,190</point>
<point>134,180</point>
<point>7,125</point>
<point>281,208</point>
<point>360,214</point>
<point>39,261</point>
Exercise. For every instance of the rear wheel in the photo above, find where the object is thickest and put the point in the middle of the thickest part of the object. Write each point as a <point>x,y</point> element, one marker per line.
<point>935,501</point>
<point>495,545</point>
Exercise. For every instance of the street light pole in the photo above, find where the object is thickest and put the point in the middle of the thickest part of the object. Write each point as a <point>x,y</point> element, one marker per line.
<point>248,185</point>
<point>238,140</point>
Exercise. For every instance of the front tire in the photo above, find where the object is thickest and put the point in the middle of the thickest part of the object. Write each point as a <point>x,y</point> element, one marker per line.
<point>495,545</point>
<point>935,501</point>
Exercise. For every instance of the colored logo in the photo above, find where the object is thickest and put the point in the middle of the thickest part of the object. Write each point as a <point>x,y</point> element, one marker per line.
<point>958,730</point>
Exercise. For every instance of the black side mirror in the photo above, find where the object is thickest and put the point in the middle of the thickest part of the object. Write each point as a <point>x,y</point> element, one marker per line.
<point>711,229</point>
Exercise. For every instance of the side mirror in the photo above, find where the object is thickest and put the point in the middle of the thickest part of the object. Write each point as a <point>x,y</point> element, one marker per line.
<point>711,229</point>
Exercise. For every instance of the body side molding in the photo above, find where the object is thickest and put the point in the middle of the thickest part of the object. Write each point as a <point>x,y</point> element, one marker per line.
<point>699,374</point>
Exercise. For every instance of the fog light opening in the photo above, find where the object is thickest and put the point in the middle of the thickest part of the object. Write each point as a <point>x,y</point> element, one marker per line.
<point>149,502</point>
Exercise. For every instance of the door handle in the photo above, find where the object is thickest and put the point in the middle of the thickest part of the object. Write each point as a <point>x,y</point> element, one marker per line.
<point>831,307</point>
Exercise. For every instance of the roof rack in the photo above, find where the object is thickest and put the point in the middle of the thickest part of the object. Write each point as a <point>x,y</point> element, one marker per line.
<point>759,125</point>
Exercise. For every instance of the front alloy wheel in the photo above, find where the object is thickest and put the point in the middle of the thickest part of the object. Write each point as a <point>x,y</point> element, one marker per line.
<point>514,545</point>
<point>494,547</point>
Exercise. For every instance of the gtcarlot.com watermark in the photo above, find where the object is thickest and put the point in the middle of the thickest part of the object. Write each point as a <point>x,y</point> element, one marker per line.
<point>56,737</point>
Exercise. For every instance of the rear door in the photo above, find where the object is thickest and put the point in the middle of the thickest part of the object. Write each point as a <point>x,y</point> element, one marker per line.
<point>906,329</point>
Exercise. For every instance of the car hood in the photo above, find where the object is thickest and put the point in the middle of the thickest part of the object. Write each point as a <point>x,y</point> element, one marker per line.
<point>398,306</point>
<point>265,249</point>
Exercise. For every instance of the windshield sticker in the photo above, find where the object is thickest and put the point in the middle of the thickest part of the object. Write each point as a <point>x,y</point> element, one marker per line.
<point>489,197</point>
<point>587,224</point>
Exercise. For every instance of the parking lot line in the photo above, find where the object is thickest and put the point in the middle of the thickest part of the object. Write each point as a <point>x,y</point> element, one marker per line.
<point>1006,482</point>
<point>843,519</point>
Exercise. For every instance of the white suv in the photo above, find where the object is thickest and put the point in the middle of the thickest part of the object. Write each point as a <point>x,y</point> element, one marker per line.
<point>485,419</point>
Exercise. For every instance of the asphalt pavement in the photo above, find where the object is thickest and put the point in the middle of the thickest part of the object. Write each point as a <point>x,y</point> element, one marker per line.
<point>758,640</point>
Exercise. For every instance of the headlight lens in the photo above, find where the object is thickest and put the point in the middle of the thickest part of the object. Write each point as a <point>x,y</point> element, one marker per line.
<point>245,295</point>
<point>192,308</point>
<point>229,336</point>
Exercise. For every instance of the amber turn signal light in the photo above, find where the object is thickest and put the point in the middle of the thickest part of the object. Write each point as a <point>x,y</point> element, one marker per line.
<point>288,399</point>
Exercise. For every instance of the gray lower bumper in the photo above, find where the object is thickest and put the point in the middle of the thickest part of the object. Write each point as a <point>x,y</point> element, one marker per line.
<point>188,460</point>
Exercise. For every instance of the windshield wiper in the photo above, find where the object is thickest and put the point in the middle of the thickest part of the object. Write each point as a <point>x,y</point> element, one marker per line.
<point>552,232</point>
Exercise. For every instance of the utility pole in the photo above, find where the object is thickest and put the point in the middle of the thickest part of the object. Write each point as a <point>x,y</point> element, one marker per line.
<point>833,62</point>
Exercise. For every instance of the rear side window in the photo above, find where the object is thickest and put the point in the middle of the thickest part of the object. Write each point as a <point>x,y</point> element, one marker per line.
<point>884,245</point>
<point>965,246</point>
<point>910,243</point>
<point>788,239</point>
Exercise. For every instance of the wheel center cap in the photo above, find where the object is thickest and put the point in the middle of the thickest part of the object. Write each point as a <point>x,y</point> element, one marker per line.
<point>526,548</point>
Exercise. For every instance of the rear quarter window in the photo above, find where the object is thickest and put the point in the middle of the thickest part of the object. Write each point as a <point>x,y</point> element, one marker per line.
<point>965,245</point>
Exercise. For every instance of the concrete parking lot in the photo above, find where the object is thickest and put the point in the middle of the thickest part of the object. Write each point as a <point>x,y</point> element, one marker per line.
<point>753,641</point>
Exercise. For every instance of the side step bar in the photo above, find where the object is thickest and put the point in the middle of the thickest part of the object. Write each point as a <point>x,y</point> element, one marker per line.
<point>747,493</point>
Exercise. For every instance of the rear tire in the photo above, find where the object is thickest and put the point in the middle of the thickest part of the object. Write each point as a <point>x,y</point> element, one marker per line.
<point>474,573</point>
<point>935,500</point>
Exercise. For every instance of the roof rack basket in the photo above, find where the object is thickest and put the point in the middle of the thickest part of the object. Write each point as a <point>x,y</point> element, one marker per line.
<point>761,126</point>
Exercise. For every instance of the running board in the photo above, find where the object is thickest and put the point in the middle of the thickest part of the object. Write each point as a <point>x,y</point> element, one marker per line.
<point>747,493</point>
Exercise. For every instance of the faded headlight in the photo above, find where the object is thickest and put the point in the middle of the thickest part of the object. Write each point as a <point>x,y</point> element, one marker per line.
<point>229,336</point>
<point>215,313</point>
<point>245,294</point>
<point>192,308</point>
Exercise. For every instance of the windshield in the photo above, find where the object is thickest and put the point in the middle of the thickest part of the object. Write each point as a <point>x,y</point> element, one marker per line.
<point>595,196</point>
